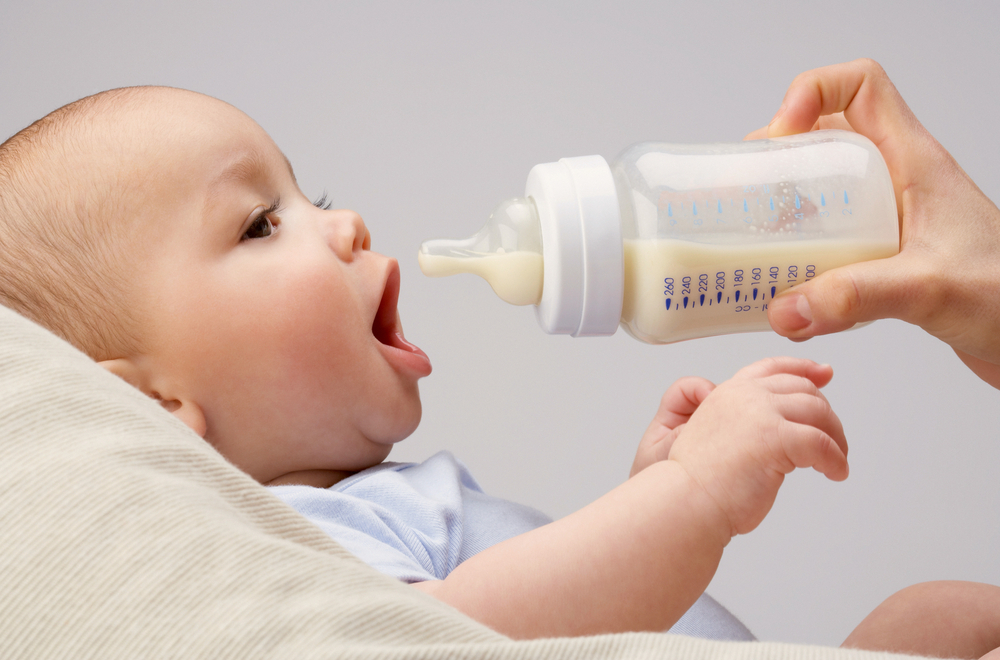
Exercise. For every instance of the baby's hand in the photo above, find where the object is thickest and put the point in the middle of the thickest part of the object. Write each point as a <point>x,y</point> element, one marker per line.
<point>676,407</point>
<point>739,440</point>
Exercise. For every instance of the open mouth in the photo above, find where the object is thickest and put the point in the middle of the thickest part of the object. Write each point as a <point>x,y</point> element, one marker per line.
<point>386,327</point>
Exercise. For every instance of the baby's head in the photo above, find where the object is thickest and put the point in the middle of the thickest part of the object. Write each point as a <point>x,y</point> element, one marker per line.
<point>163,233</point>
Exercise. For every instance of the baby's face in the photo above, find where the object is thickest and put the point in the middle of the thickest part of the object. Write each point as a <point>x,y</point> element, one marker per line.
<point>269,316</point>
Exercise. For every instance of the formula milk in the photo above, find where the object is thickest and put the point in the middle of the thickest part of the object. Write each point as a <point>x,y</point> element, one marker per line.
<point>515,276</point>
<point>676,289</point>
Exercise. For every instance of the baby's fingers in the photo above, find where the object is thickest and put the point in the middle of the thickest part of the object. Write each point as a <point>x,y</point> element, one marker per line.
<point>681,400</point>
<point>818,374</point>
<point>789,384</point>
<point>809,447</point>
<point>816,436</point>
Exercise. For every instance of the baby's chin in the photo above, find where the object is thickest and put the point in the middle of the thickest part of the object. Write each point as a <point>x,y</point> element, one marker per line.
<point>413,419</point>
<point>400,416</point>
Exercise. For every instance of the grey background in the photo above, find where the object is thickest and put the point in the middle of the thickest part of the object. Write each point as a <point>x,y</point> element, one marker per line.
<point>422,116</point>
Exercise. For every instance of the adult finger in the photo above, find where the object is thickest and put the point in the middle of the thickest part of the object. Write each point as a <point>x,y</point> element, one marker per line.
<point>872,106</point>
<point>835,121</point>
<point>840,298</point>
<point>859,89</point>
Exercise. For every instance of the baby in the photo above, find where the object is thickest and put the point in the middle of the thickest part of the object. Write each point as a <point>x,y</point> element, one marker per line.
<point>163,233</point>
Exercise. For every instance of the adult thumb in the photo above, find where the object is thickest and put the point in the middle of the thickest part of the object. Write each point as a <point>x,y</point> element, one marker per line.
<point>838,299</point>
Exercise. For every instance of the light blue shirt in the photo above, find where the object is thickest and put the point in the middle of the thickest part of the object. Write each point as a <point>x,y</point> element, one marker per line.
<point>418,521</point>
<point>413,521</point>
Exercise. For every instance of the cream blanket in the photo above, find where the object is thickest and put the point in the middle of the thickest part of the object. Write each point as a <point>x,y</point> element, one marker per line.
<point>124,535</point>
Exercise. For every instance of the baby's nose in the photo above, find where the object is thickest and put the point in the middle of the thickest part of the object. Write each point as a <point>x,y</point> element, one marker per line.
<point>347,234</point>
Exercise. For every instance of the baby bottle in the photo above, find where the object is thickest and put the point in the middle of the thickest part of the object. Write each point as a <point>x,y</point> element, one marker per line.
<point>680,241</point>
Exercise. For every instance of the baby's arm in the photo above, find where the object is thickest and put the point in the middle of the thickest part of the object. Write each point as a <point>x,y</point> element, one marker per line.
<point>638,558</point>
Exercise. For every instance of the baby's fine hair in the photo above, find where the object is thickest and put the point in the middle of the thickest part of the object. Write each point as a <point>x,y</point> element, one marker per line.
<point>63,237</point>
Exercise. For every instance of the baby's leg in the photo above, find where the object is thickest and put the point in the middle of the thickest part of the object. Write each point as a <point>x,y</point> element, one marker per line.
<point>940,619</point>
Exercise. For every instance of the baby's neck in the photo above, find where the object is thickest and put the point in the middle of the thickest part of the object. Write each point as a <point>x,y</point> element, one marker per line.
<point>316,478</point>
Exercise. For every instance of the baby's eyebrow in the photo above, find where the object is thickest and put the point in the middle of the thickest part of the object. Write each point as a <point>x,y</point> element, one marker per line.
<point>248,167</point>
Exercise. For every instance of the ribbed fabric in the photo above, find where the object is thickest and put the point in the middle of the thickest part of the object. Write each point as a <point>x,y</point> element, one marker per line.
<point>124,535</point>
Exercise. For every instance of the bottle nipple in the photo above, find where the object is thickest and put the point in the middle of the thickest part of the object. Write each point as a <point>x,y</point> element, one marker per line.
<point>506,252</point>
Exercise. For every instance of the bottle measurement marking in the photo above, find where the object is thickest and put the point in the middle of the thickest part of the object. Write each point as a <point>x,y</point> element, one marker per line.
<point>686,302</point>
<point>739,297</point>
<point>770,203</point>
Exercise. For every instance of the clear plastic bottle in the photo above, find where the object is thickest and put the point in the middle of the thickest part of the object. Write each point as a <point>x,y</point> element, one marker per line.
<point>680,241</point>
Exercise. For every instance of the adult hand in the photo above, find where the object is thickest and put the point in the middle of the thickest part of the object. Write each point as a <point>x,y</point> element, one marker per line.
<point>946,277</point>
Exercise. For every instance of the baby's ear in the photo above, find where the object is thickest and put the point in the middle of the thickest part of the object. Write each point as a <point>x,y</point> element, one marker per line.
<point>182,408</point>
<point>127,371</point>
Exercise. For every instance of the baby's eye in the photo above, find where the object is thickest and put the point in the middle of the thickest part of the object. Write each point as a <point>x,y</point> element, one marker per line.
<point>262,227</point>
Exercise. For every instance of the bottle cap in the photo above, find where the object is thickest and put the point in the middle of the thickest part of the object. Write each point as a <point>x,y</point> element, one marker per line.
<point>580,217</point>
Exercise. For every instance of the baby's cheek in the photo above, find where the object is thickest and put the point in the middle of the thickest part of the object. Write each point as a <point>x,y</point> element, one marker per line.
<point>315,327</point>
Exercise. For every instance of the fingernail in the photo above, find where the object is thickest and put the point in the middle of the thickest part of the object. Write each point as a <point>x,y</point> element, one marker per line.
<point>777,114</point>
<point>802,307</point>
<point>791,312</point>
<point>777,126</point>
